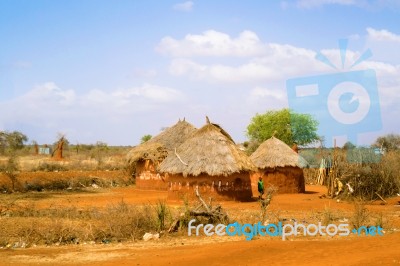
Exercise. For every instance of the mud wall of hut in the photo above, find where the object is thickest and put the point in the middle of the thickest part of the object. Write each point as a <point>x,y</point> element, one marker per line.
<point>147,178</point>
<point>286,179</point>
<point>233,187</point>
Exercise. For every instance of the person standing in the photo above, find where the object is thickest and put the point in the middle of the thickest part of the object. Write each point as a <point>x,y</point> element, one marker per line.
<point>260,187</point>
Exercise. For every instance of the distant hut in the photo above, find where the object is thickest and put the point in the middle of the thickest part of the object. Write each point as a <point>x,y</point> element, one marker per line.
<point>210,161</point>
<point>144,159</point>
<point>279,166</point>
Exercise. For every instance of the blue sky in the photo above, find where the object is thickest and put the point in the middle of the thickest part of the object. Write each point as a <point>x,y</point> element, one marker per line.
<point>114,71</point>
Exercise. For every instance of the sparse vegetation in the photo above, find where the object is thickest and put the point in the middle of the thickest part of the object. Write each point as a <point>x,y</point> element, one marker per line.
<point>327,216</point>
<point>50,167</point>
<point>10,142</point>
<point>369,175</point>
<point>70,225</point>
<point>265,202</point>
<point>11,169</point>
<point>145,138</point>
<point>389,142</point>
<point>360,215</point>
<point>163,215</point>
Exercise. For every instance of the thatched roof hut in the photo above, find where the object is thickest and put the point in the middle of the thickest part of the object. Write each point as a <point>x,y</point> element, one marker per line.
<point>279,166</point>
<point>210,151</point>
<point>274,153</point>
<point>158,147</point>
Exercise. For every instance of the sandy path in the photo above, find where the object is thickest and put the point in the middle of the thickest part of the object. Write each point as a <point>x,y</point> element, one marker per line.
<point>351,251</point>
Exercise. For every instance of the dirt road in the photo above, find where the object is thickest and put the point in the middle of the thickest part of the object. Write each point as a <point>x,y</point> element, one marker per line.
<point>360,251</point>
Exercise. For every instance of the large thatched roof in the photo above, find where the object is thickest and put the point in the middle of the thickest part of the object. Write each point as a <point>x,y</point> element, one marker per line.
<point>209,151</point>
<point>275,153</point>
<point>158,147</point>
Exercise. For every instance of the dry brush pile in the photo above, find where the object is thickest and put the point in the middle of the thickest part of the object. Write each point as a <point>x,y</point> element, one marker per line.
<point>370,180</point>
<point>363,174</point>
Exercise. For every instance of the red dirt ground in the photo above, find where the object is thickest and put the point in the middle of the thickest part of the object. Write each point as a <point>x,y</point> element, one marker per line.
<point>351,250</point>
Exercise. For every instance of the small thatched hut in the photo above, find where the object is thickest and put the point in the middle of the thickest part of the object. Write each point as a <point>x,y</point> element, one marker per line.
<point>210,161</point>
<point>279,166</point>
<point>145,158</point>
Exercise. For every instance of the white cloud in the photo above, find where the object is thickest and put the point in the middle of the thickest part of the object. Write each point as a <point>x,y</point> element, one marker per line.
<point>354,37</point>
<point>318,3</point>
<point>278,61</point>
<point>185,6</point>
<point>48,108</point>
<point>48,94</point>
<point>388,77</point>
<point>212,43</point>
<point>263,98</point>
<point>384,44</point>
<point>149,92</point>
<point>251,71</point>
<point>182,66</point>
<point>258,72</point>
<point>276,64</point>
<point>260,92</point>
<point>248,72</point>
<point>133,99</point>
<point>43,98</point>
<point>382,35</point>
<point>260,61</point>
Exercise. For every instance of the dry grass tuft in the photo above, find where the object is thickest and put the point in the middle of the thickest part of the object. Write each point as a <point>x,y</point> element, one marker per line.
<point>57,225</point>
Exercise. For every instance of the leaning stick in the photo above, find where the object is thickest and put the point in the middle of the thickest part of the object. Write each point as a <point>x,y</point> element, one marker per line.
<point>177,155</point>
<point>201,200</point>
<point>381,197</point>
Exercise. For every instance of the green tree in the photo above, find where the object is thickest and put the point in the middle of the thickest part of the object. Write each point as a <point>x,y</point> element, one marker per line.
<point>145,138</point>
<point>101,149</point>
<point>11,141</point>
<point>389,142</point>
<point>349,145</point>
<point>11,169</point>
<point>286,125</point>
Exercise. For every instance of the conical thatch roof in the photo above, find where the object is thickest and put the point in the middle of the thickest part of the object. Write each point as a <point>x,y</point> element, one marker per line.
<point>147,151</point>
<point>275,153</point>
<point>209,151</point>
<point>158,147</point>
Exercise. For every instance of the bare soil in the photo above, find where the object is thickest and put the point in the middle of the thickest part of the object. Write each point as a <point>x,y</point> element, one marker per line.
<point>184,250</point>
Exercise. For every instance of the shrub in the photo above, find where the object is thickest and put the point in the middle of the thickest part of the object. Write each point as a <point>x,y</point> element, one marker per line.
<point>327,216</point>
<point>50,167</point>
<point>163,213</point>
<point>367,174</point>
<point>70,225</point>
<point>360,215</point>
